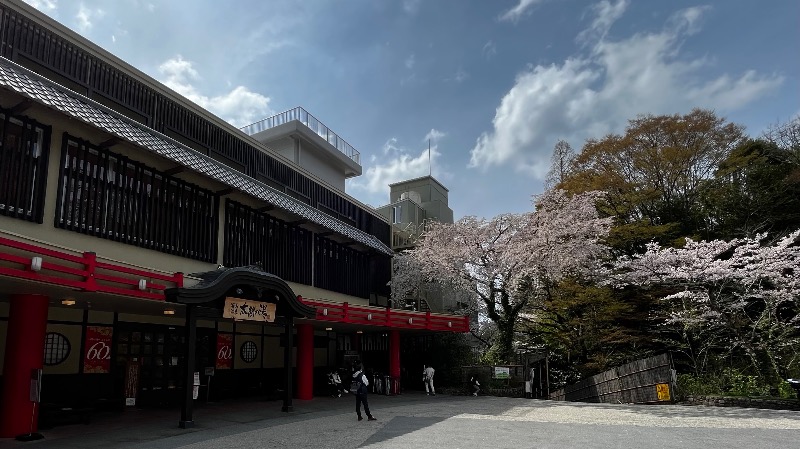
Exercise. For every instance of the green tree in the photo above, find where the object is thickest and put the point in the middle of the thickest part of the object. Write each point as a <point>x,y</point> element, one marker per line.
<point>755,190</point>
<point>653,175</point>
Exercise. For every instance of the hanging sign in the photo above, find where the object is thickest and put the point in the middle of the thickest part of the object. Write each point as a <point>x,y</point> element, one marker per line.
<point>224,351</point>
<point>243,309</point>
<point>97,352</point>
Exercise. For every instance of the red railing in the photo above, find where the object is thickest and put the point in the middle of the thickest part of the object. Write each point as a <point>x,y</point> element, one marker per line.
<point>381,316</point>
<point>82,272</point>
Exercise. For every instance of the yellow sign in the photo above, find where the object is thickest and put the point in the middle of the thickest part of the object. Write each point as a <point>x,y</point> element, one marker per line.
<point>242,309</point>
<point>663,392</point>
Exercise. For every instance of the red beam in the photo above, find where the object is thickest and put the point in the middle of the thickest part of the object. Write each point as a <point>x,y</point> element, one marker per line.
<point>380,316</point>
<point>59,269</point>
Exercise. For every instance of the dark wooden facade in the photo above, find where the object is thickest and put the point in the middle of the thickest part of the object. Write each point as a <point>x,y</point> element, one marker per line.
<point>31,45</point>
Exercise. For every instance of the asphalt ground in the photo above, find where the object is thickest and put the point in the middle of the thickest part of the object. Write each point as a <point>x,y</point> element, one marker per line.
<point>414,420</point>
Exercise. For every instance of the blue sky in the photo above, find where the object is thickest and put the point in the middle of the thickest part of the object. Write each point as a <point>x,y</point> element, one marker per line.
<point>493,84</point>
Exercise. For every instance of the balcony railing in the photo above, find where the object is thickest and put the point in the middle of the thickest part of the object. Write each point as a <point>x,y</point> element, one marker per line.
<point>311,122</point>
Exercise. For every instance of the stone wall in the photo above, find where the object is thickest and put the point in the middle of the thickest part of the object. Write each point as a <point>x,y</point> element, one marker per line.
<point>726,401</point>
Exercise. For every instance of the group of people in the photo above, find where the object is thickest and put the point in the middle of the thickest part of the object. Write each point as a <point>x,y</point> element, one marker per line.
<point>427,379</point>
<point>359,386</point>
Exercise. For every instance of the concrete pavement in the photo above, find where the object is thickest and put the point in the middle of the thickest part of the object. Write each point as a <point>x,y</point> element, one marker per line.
<point>414,420</point>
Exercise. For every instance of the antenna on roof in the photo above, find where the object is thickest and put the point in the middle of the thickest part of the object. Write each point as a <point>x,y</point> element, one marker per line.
<point>429,157</point>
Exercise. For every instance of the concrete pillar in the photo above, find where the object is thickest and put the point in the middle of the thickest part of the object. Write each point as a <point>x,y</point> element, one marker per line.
<point>305,361</point>
<point>27,325</point>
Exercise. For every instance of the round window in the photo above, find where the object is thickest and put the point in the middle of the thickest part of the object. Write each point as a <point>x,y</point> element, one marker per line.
<point>248,351</point>
<point>56,348</point>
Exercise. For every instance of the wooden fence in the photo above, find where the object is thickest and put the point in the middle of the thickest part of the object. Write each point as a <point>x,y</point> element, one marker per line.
<point>644,381</point>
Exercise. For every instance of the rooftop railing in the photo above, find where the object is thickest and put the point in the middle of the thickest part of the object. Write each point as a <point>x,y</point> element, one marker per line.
<point>311,122</point>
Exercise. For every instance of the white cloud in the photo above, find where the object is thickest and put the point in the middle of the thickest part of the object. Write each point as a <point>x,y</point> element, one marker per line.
<point>607,14</point>
<point>410,61</point>
<point>43,5</point>
<point>461,75</point>
<point>489,49</point>
<point>239,107</point>
<point>398,163</point>
<point>411,6</point>
<point>434,135</point>
<point>86,17</point>
<point>514,14</point>
<point>598,91</point>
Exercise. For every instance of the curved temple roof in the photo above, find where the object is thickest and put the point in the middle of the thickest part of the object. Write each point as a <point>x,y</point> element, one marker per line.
<point>55,96</point>
<point>215,285</point>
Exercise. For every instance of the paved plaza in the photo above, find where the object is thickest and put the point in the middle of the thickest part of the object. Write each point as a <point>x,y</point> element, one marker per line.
<point>418,421</point>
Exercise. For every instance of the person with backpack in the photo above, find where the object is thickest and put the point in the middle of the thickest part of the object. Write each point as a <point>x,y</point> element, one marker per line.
<point>359,388</point>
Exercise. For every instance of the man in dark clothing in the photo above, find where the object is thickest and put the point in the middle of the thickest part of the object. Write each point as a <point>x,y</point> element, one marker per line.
<point>360,384</point>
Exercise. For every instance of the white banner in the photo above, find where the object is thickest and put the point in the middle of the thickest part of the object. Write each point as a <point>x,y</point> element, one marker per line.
<point>242,309</point>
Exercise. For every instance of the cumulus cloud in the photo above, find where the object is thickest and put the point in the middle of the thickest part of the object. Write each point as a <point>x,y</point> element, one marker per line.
<point>596,91</point>
<point>398,163</point>
<point>514,14</point>
<point>239,106</point>
<point>43,5</point>
<point>86,17</point>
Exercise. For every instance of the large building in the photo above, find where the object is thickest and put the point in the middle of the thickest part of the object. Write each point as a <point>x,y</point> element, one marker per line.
<point>143,240</point>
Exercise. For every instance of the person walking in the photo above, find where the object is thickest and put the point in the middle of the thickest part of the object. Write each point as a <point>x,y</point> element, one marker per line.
<point>476,386</point>
<point>427,377</point>
<point>359,388</point>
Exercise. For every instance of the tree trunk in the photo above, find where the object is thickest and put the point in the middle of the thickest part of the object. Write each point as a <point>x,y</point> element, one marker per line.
<point>503,349</point>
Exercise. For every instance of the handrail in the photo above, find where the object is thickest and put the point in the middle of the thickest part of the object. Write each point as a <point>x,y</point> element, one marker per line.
<point>304,117</point>
<point>382,316</point>
<point>83,272</point>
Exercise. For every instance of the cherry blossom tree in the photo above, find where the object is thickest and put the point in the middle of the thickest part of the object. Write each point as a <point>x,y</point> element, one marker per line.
<point>498,261</point>
<point>741,297</point>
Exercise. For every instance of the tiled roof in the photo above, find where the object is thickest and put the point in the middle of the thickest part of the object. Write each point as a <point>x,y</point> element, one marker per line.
<point>48,93</point>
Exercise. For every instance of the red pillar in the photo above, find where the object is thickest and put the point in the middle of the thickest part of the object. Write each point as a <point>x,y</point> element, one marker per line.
<point>305,361</point>
<point>394,358</point>
<point>27,325</point>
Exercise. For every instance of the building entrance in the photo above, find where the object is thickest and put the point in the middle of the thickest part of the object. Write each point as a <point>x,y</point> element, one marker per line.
<point>150,360</point>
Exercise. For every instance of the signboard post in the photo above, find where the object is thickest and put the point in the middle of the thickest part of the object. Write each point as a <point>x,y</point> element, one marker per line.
<point>663,392</point>
<point>131,382</point>
<point>501,372</point>
<point>196,385</point>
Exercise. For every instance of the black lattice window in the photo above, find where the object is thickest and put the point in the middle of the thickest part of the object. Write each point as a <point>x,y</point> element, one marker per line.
<point>341,269</point>
<point>24,149</point>
<point>248,351</point>
<point>108,195</point>
<point>277,247</point>
<point>56,348</point>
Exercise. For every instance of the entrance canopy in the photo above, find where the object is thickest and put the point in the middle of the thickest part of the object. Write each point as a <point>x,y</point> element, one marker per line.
<point>247,283</point>
<point>240,293</point>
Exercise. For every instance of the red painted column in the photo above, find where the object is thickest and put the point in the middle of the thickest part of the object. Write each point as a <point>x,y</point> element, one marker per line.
<point>27,325</point>
<point>394,359</point>
<point>305,361</point>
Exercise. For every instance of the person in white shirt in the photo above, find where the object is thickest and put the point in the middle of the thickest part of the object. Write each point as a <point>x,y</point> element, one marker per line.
<point>427,377</point>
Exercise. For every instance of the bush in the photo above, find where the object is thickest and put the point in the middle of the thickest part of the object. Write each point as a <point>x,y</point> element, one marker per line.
<point>691,385</point>
<point>786,391</point>
<point>731,382</point>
